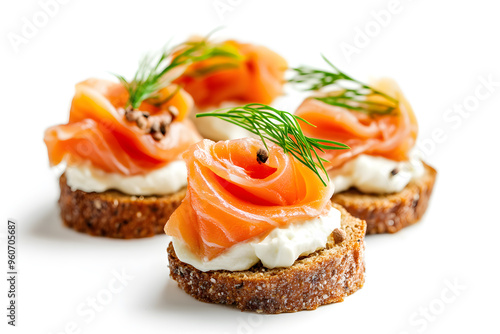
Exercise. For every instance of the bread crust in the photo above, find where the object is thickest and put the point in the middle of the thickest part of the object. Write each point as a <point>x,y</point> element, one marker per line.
<point>114,214</point>
<point>390,213</point>
<point>324,277</point>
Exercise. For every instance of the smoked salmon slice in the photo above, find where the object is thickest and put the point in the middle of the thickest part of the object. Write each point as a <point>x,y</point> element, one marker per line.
<point>391,135</point>
<point>99,133</point>
<point>232,197</point>
<point>256,76</point>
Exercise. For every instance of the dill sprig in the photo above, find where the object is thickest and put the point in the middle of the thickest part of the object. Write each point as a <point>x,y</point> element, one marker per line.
<point>281,128</point>
<point>357,98</point>
<point>150,75</point>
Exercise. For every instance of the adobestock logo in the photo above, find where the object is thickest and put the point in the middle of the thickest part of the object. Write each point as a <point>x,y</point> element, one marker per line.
<point>31,25</point>
<point>86,147</point>
<point>222,7</point>
<point>364,34</point>
<point>421,319</point>
<point>454,117</point>
<point>88,309</point>
<point>249,324</point>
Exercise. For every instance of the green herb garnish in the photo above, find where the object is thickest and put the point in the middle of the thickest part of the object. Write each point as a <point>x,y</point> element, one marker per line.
<point>150,76</point>
<point>351,94</point>
<point>281,128</point>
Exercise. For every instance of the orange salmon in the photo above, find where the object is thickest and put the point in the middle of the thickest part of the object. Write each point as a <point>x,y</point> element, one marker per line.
<point>390,136</point>
<point>232,198</point>
<point>98,131</point>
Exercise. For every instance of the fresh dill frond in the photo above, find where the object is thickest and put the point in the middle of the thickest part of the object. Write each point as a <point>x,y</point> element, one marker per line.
<point>350,94</point>
<point>283,129</point>
<point>150,75</point>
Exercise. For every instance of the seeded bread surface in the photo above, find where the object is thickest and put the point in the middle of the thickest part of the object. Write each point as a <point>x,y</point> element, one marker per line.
<point>324,277</point>
<point>390,213</point>
<point>114,214</point>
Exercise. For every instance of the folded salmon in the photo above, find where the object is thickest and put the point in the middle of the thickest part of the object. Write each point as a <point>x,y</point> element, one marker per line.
<point>256,76</point>
<point>388,135</point>
<point>99,132</point>
<point>232,197</point>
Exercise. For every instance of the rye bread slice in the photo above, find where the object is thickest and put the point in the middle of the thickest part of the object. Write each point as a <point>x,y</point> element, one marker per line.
<point>390,213</point>
<point>324,277</point>
<point>114,214</point>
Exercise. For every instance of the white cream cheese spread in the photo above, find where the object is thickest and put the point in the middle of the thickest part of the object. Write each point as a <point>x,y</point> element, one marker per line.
<point>280,248</point>
<point>163,181</point>
<point>376,175</point>
<point>217,129</point>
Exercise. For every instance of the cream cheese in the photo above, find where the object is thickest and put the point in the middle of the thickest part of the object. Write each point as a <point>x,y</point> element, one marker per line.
<point>166,180</point>
<point>217,129</point>
<point>280,248</point>
<point>376,175</point>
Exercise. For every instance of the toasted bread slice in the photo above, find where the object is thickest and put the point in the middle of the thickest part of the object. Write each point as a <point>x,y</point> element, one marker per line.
<point>390,213</point>
<point>324,277</point>
<point>115,214</point>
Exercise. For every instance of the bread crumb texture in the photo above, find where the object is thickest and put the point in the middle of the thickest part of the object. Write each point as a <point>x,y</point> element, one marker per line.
<point>324,277</point>
<point>390,213</point>
<point>114,214</point>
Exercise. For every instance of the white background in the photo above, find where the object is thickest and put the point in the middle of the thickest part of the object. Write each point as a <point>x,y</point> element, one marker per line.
<point>437,50</point>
